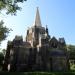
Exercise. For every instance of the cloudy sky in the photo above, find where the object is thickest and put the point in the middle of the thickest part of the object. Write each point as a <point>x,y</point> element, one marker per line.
<point>59,15</point>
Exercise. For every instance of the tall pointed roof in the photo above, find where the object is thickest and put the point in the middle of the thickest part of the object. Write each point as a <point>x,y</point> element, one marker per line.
<point>37,18</point>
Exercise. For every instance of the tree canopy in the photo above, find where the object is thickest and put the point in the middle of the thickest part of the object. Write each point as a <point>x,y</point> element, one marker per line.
<point>71,49</point>
<point>3,31</point>
<point>11,6</point>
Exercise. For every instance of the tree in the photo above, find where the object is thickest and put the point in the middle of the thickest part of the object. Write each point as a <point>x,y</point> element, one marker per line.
<point>11,6</point>
<point>1,60</point>
<point>71,49</point>
<point>4,52</point>
<point>3,31</point>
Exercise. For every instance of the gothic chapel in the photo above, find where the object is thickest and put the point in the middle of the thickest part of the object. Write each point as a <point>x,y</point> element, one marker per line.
<point>39,52</point>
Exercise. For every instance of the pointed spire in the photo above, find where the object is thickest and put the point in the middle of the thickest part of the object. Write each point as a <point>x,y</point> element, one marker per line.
<point>37,18</point>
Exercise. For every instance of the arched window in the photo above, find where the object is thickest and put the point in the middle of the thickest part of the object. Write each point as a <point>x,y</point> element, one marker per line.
<point>54,45</point>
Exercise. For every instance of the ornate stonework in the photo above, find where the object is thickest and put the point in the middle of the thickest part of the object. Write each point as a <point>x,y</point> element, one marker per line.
<point>39,52</point>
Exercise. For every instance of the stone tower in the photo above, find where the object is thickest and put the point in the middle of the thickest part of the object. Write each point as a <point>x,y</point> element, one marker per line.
<point>36,31</point>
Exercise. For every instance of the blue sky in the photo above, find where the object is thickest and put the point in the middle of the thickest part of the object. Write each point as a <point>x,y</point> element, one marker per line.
<point>59,15</point>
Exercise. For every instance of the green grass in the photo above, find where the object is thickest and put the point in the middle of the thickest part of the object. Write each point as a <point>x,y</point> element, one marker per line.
<point>37,73</point>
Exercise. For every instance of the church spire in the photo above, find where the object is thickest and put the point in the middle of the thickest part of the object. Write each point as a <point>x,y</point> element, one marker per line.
<point>37,18</point>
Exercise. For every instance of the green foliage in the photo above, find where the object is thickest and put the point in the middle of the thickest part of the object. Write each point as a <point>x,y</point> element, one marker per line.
<point>1,58</point>
<point>71,49</point>
<point>4,51</point>
<point>2,5</point>
<point>3,31</point>
<point>73,67</point>
<point>11,6</point>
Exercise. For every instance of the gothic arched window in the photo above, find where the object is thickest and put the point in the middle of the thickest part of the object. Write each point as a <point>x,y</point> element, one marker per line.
<point>54,45</point>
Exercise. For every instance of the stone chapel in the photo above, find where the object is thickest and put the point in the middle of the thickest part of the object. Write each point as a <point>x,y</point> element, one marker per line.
<point>39,52</point>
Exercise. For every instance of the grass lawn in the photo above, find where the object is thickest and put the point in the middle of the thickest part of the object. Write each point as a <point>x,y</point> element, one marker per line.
<point>37,73</point>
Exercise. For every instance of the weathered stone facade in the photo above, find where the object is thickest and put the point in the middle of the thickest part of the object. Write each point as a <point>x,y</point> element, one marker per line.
<point>39,52</point>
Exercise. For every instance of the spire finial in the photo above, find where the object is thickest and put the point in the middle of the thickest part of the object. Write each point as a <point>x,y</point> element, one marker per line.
<point>37,18</point>
<point>46,29</point>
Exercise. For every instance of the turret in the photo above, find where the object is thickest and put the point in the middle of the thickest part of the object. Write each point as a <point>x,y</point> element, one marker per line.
<point>47,30</point>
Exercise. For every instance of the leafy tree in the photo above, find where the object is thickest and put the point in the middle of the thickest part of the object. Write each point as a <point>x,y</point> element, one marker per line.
<point>3,31</point>
<point>71,49</point>
<point>11,6</point>
<point>1,58</point>
<point>4,51</point>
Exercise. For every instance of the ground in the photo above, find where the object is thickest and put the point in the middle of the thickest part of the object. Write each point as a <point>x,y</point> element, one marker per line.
<point>37,73</point>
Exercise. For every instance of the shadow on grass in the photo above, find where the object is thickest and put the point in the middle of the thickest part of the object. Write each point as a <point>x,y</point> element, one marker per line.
<point>37,73</point>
